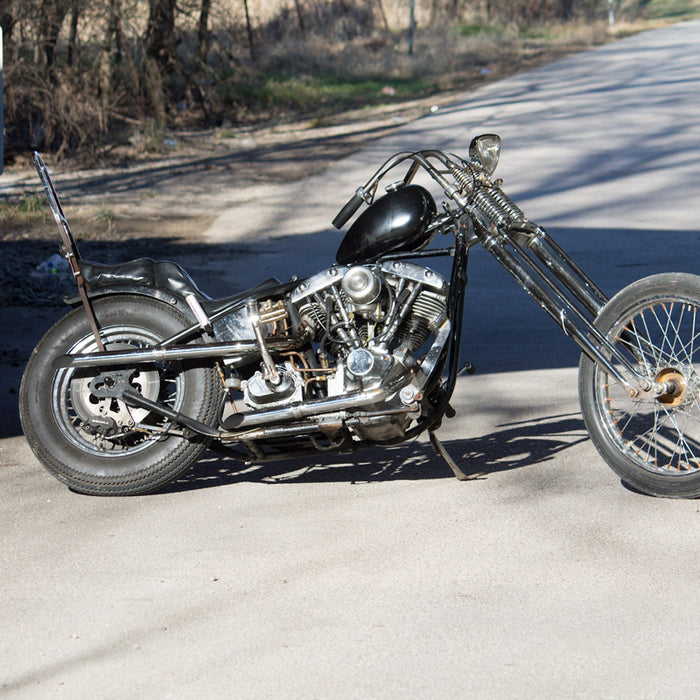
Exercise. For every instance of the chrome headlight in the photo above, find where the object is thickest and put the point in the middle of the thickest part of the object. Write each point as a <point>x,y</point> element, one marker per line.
<point>486,150</point>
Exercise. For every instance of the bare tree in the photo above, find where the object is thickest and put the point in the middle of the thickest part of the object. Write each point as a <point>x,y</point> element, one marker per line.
<point>567,7</point>
<point>114,39</point>
<point>7,19</point>
<point>75,10</point>
<point>300,17</point>
<point>249,30</point>
<point>160,32</point>
<point>53,12</point>
<point>203,32</point>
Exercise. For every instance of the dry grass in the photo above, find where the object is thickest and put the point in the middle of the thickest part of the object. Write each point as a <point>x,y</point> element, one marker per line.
<point>345,58</point>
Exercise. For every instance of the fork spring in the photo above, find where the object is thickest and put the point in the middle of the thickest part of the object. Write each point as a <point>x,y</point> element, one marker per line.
<point>498,207</point>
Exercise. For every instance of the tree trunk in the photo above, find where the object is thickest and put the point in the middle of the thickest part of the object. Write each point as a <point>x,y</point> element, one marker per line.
<point>300,18</point>
<point>113,54</point>
<point>73,36</point>
<point>7,21</point>
<point>203,32</point>
<point>53,12</point>
<point>249,29</point>
<point>114,41</point>
<point>383,16</point>
<point>160,33</point>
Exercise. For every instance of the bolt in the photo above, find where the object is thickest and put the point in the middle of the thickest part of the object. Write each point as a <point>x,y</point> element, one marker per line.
<point>407,395</point>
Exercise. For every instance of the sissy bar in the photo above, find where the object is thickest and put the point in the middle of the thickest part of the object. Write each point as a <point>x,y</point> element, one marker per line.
<point>69,247</point>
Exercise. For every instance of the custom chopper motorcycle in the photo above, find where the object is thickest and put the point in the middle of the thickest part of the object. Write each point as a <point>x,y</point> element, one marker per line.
<point>127,391</point>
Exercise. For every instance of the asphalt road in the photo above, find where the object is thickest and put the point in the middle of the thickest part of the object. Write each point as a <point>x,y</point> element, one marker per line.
<point>382,576</point>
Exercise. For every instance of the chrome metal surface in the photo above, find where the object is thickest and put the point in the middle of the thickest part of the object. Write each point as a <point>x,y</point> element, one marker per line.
<point>415,273</point>
<point>318,283</point>
<point>242,349</point>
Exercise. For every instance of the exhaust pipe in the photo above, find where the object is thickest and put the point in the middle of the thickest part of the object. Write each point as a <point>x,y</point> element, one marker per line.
<point>241,421</point>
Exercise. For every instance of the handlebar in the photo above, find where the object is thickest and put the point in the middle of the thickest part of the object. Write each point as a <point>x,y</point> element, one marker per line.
<point>443,167</point>
<point>349,209</point>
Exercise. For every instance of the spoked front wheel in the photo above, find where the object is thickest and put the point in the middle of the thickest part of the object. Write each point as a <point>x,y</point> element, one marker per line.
<point>652,441</point>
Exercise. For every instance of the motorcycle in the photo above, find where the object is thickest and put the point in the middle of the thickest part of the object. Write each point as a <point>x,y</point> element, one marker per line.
<point>127,391</point>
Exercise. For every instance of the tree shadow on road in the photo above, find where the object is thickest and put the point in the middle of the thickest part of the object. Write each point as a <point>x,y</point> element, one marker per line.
<point>200,172</point>
<point>510,446</point>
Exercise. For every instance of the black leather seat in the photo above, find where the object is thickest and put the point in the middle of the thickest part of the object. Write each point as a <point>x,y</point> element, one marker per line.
<point>143,272</point>
<point>168,276</point>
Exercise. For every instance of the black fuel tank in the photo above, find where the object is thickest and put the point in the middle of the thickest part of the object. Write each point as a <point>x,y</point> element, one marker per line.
<point>396,222</point>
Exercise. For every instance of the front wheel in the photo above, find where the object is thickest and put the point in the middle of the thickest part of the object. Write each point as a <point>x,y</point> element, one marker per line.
<point>652,441</point>
<point>101,446</point>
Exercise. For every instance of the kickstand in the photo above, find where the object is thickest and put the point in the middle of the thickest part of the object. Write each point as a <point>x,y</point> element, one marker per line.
<point>440,450</point>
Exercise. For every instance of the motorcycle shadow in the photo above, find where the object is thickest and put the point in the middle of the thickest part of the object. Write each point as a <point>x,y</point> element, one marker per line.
<point>510,446</point>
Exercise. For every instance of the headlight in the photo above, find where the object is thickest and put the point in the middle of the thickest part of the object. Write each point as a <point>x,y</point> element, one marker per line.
<point>486,150</point>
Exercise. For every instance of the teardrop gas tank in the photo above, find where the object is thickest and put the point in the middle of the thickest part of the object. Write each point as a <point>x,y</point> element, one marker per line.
<point>396,223</point>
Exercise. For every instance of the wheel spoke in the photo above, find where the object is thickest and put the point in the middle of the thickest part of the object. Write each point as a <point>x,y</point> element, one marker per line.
<point>677,338</point>
<point>690,353</point>
<point>682,440</point>
<point>657,360</point>
<point>664,329</point>
<point>632,330</point>
<point>632,414</point>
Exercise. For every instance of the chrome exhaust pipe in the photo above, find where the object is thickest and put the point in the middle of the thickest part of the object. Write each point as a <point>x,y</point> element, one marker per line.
<point>317,407</point>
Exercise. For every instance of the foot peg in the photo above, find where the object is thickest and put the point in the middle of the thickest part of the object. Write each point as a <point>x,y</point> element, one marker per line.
<point>467,369</point>
<point>440,450</point>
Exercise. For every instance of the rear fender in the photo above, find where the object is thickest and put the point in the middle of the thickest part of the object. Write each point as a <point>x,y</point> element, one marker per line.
<point>153,292</point>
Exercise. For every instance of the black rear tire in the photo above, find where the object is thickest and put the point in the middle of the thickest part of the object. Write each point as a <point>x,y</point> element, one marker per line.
<point>99,446</point>
<point>652,442</point>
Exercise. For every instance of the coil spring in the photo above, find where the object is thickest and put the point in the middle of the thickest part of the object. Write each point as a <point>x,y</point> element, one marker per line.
<point>515,214</point>
<point>498,207</point>
<point>465,180</point>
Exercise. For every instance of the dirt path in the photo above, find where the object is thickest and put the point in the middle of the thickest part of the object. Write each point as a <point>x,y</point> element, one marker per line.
<point>197,178</point>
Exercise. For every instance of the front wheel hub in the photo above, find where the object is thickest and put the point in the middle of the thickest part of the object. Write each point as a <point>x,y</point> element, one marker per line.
<point>670,387</point>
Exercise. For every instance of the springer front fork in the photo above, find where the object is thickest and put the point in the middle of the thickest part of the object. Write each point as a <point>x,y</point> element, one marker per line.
<point>547,273</point>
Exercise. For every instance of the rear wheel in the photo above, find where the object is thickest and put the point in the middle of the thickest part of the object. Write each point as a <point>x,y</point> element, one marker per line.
<point>99,445</point>
<point>652,441</point>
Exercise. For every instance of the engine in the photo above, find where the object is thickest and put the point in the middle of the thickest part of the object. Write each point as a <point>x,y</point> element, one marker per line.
<point>370,316</point>
<point>365,327</point>
<point>372,325</point>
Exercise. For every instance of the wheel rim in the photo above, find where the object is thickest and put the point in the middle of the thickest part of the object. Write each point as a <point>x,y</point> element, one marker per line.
<point>107,427</point>
<point>657,432</point>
